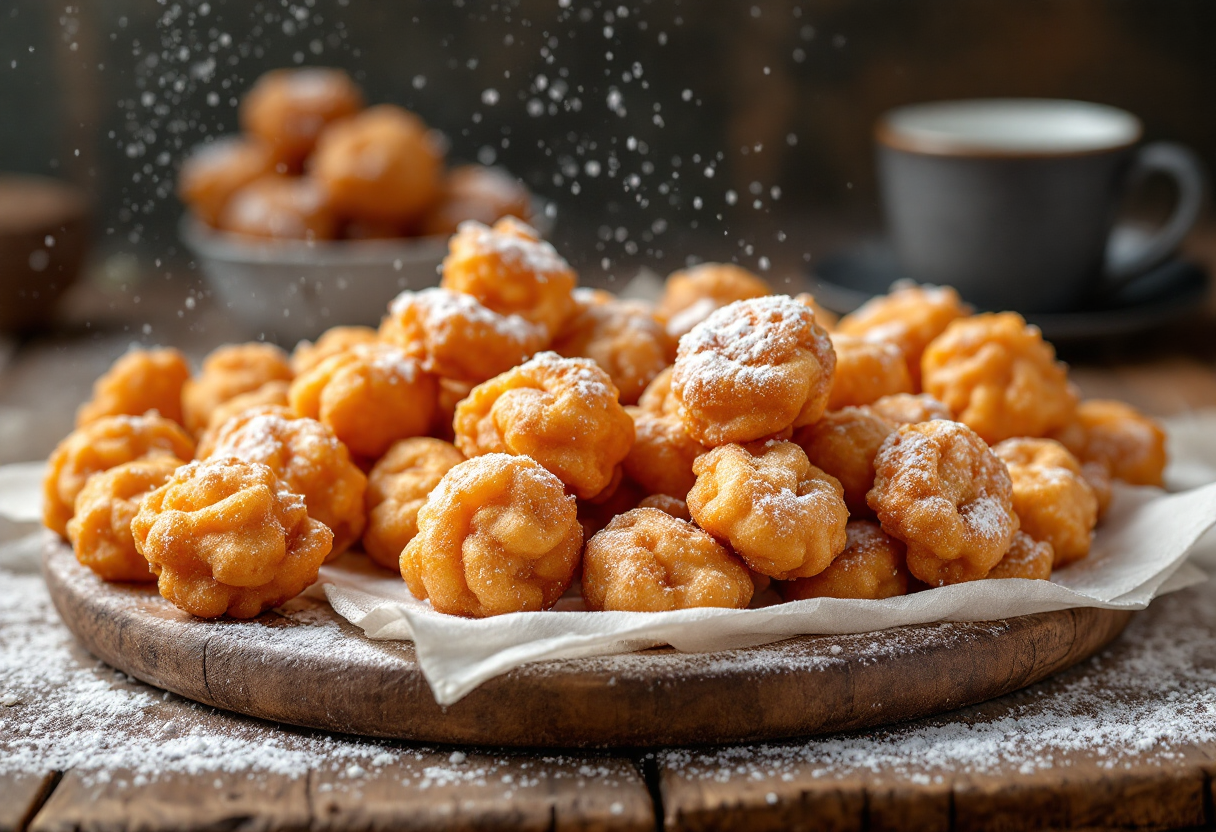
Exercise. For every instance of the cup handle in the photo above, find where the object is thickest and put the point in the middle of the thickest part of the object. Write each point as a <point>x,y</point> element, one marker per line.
<point>1183,166</point>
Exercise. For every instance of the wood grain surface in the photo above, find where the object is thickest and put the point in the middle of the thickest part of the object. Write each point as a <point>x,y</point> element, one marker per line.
<point>307,666</point>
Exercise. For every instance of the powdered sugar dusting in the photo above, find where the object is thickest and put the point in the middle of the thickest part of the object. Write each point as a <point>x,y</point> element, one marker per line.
<point>536,256</point>
<point>1143,702</point>
<point>443,309</point>
<point>62,709</point>
<point>747,342</point>
<point>583,373</point>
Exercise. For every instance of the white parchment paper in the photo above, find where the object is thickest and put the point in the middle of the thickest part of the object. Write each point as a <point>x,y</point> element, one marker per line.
<point>1139,553</point>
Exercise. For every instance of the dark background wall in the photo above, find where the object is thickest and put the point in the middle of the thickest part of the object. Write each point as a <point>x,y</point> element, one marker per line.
<point>661,129</point>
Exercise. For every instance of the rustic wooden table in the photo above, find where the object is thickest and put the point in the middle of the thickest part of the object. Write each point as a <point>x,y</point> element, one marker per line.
<point>1126,739</point>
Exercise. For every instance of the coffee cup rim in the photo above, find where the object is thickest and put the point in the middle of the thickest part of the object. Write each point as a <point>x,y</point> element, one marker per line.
<point>899,129</point>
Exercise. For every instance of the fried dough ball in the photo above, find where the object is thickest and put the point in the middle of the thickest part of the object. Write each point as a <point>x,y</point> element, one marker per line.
<point>273,396</point>
<point>692,295</point>
<point>227,373</point>
<point>213,172</point>
<point>280,208</point>
<point>942,491</point>
<point>227,536</point>
<point>619,335</point>
<point>1051,496</point>
<point>309,459</point>
<point>782,515</point>
<point>909,409</point>
<point>1026,558</point>
<point>826,318</point>
<point>139,381</point>
<point>645,560</point>
<point>614,500</point>
<point>100,446</point>
<point>397,487</point>
<point>910,317</point>
<point>1128,443</point>
<point>562,412</point>
<point>370,396</point>
<point>1099,479</point>
<point>381,166</point>
<point>662,454</point>
<point>844,443</point>
<point>668,504</point>
<point>454,336</point>
<point>451,393</point>
<point>752,369</point>
<point>866,371</point>
<point>657,397</point>
<point>873,565</point>
<point>101,529</point>
<point>999,377</point>
<point>474,192</point>
<point>287,109</point>
<point>334,340</point>
<point>497,535</point>
<point>512,271</point>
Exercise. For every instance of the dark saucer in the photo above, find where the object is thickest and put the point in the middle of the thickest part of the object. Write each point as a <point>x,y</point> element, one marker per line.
<point>1173,290</point>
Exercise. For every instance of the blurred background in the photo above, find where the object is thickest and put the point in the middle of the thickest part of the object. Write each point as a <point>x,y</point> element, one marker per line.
<point>663,132</point>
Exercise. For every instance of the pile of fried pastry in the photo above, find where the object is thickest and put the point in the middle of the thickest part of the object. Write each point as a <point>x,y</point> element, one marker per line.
<point>313,164</point>
<point>505,434</point>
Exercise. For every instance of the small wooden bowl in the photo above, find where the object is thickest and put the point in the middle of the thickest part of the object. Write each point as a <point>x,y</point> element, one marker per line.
<point>43,238</point>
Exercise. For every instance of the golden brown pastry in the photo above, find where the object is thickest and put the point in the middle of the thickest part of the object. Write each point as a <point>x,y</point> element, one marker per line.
<point>382,165</point>
<point>397,487</point>
<point>999,377</point>
<point>943,492</point>
<point>693,294</point>
<point>752,369</point>
<point>280,208</point>
<point>286,109</point>
<point>873,565</point>
<point>370,396</point>
<point>226,536</point>
<point>509,269</point>
<point>100,446</point>
<point>228,372</point>
<point>497,535</point>
<point>481,194</point>
<point>621,336</point>
<point>139,381</point>
<point>213,172</point>
<point>562,412</point>
<point>645,560</point>
<point>101,529</point>
<point>782,515</point>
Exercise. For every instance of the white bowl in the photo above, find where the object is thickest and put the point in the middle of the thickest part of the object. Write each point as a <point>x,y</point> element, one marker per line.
<point>286,290</point>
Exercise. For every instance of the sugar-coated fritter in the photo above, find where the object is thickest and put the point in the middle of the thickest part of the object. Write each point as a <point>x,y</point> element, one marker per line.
<point>397,487</point>
<point>228,372</point>
<point>782,515</point>
<point>99,446</point>
<point>646,560</point>
<point>497,535</point>
<point>101,529</point>
<point>370,396</point>
<point>752,369</point>
<point>999,377</point>
<point>226,536</point>
<point>139,381</point>
<point>873,565</point>
<point>562,412</point>
<point>941,490</point>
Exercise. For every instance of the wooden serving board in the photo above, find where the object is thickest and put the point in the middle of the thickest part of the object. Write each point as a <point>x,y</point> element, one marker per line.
<point>305,665</point>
